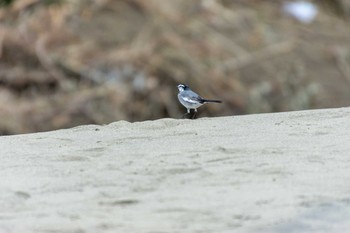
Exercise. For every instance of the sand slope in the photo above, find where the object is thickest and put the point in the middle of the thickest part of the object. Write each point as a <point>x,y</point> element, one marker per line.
<point>285,172</point>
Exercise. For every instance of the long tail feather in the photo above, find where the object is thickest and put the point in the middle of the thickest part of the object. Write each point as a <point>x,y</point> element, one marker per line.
<point>211,101</point>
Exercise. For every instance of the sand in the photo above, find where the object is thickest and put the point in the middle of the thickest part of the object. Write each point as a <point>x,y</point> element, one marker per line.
<point>281,172</point>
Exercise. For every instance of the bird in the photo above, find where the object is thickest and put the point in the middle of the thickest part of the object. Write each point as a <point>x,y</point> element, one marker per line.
<point>190,99</point>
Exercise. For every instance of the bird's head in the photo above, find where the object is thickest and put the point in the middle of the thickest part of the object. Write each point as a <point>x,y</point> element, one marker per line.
<point>182,87</point>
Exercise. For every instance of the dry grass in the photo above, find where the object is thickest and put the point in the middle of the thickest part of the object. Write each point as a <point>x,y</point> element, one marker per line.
<point>80,62</point>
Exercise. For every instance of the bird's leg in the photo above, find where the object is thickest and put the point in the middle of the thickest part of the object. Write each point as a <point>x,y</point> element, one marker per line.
<point>194,114</point>
<point>188,112</point>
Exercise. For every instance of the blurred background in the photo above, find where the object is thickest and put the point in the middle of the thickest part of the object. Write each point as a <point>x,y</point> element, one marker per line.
<point>70,62</point>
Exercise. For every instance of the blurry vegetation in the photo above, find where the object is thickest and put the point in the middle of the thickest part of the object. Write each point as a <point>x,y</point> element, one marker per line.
<point>85,61</point>
<point>5,2</point>
<point>45,2</point>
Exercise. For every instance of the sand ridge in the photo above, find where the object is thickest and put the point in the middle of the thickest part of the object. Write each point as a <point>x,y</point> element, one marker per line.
<point>281,172</point>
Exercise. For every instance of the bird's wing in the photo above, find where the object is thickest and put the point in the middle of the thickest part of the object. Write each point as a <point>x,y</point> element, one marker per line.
<point>192,99</point>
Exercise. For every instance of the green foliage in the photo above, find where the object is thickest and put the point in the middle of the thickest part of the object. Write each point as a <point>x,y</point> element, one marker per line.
<point>5,2</point>
<point>45,2</point>
<point>51,2</point>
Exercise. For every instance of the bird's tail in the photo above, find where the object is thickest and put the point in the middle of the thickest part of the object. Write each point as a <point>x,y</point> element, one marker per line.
<point>211,101</point>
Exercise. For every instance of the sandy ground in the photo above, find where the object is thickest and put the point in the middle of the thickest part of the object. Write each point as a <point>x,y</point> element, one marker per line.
<point>285,172</point>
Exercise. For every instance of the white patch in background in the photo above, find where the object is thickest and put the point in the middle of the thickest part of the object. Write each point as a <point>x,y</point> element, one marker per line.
<point>303,11</point>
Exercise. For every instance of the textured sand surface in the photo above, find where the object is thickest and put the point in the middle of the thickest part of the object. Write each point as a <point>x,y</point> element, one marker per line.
<point>285,172</point>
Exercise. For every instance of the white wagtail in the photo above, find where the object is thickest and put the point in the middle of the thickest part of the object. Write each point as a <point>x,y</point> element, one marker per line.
<point>190,99</point>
